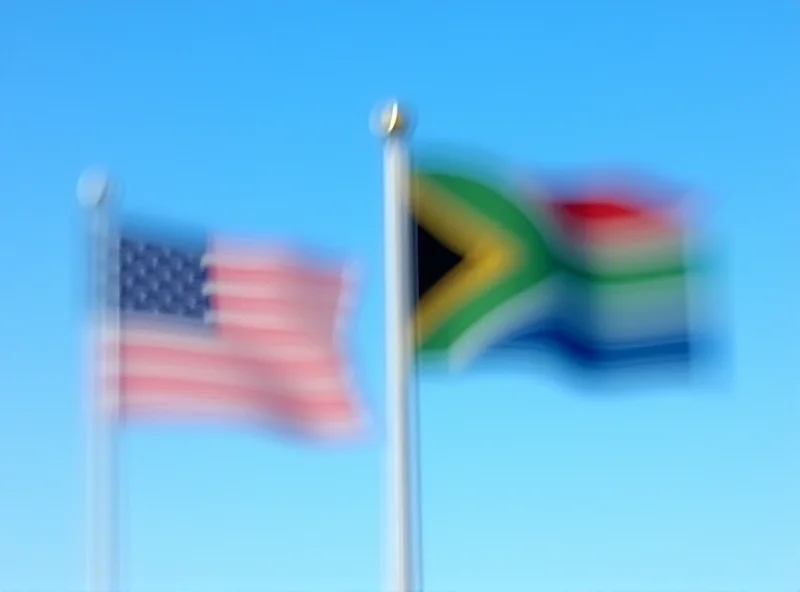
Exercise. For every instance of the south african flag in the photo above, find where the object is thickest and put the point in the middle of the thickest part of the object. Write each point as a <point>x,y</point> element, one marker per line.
<point>599,271</point>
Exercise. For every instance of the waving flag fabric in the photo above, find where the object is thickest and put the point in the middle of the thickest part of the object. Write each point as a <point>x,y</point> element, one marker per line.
<point>601,274</point>
<point>225,330</point>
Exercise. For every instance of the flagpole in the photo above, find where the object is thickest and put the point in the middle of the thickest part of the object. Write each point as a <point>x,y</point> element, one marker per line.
<point>399,352</point>
<point>94,192</point>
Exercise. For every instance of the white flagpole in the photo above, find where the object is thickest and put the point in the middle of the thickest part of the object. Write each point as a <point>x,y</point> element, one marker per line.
<point>95,194</point>
<point>399,352</point>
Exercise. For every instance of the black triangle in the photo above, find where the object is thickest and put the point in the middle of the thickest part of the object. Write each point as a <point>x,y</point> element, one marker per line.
<point>433,260</point>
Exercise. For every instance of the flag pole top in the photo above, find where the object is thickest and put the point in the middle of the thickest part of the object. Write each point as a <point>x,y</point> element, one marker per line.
<point>94,187</point>
<point>391,121</point>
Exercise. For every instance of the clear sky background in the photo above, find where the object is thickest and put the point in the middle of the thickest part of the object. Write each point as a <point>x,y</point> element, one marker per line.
<point>251,117</point>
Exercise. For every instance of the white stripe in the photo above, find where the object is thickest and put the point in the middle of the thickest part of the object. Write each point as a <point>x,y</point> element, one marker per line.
<point>510,317</point>
<point>201,343</point>
<point>255,259</point>
<point>608,330</point>
<point>304,323</point>
<point>629,258</point>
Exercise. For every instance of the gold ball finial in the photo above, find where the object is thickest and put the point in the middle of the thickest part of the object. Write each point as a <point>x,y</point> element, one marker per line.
<point>393,120</point>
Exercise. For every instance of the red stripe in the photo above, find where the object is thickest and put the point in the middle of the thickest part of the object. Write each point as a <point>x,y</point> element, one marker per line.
<point>276,275</point>
<point>597,208</point>
<point>286,400</point>
<point>614,221</point>
<point>254,337</point>
<point>323,425</point>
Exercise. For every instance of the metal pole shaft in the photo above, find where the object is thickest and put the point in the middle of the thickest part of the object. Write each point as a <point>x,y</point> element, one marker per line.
<point>101,392</point>
<point>399,360</point>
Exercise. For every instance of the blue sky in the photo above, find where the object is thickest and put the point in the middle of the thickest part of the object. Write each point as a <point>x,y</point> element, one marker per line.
<point>251,118</point>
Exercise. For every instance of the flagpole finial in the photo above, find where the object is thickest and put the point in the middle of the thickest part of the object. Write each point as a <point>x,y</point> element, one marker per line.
<point>94,186</point>
<point>391,121</point>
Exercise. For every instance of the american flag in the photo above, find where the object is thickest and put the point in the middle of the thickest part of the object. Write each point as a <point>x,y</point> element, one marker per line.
<point>230,330</point>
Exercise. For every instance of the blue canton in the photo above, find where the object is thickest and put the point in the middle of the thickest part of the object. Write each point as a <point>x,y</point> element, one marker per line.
<point>159,279</point>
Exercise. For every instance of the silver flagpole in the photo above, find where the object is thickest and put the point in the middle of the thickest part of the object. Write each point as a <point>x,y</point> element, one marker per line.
<point>94,191</point>
<point>399,352</point>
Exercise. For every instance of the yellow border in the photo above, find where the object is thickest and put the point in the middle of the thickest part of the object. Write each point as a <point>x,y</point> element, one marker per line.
<point>488,253</point>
